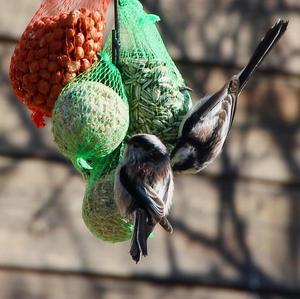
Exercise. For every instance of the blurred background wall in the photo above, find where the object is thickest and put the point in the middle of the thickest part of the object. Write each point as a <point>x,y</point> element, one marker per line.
<point>237,227</point>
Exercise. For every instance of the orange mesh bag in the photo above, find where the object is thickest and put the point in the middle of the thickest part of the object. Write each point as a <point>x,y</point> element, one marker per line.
<point>61,41</point>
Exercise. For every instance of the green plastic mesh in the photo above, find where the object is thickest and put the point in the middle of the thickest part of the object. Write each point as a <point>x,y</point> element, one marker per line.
<point>151,79</point>
<point>90,117</point>
<point>99,210</point>
<point>89,123</point>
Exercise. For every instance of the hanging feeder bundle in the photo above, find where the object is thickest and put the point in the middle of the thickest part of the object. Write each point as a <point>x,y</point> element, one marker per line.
<point>157,105</point>
<point>91,116</point>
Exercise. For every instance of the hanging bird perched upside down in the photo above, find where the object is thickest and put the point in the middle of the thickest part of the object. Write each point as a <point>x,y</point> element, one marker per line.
<point>204,129</point>
<point>144,189</point>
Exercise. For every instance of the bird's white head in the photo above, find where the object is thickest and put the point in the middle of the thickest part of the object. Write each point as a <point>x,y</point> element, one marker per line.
<point>145,147</point>
<point>183,158</point>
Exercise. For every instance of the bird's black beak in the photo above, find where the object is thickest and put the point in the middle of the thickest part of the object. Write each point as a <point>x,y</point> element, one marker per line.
<point>176,167</point>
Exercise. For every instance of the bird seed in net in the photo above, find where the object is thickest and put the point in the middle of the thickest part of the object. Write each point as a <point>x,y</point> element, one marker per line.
<point>154,86</point>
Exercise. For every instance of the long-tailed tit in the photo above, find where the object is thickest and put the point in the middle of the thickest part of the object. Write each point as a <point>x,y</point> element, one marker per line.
<point>204,129</point>
<point>144,189</point>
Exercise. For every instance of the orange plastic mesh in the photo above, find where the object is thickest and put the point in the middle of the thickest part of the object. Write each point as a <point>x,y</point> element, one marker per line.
<point>61,41</point>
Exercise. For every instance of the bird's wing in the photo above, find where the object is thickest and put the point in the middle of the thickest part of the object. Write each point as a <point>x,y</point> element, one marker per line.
<point>121,196</point>
<point>144,196</point>
<point>200,110</point>
<point>233,110</point>
<point>231,98</point>
<point>168,192</point>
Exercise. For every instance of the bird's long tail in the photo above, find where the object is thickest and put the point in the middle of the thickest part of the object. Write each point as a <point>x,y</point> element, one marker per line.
<point>140,234</point>
<point>166,225</point>
<point>270,39</point>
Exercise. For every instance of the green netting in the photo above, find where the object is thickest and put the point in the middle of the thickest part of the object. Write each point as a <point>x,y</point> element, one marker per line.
<point>89,123</point>
<point>157,106</point>
<point>151,79</point>
<point>99,210</point>
<point>90,117</point>
<point>139,36</point>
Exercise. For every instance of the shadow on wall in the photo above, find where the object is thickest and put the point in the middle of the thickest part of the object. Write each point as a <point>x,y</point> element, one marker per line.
<point>268,114</point>
<point>221,30</point>
<point>267,110</point>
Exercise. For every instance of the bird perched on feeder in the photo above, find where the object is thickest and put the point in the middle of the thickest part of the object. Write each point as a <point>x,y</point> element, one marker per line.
<point>144,189</point>
<point>204,129</point>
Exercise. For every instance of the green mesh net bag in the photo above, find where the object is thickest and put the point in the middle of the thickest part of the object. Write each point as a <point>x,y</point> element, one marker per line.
<point>99,210</point>
<point>90,117</point>
<point>89,123</point>
<point>153,84</point>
